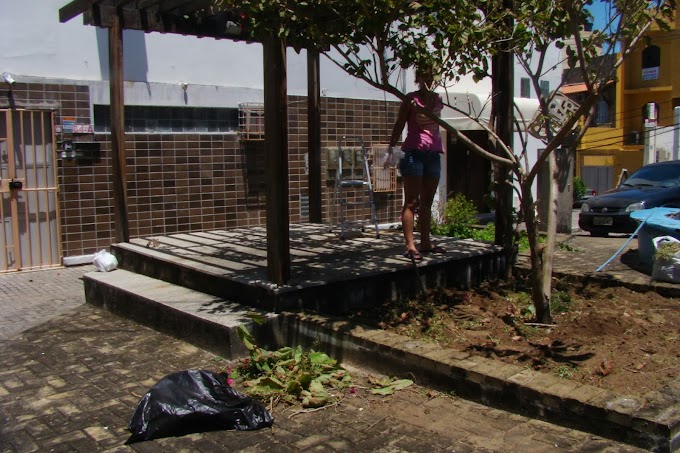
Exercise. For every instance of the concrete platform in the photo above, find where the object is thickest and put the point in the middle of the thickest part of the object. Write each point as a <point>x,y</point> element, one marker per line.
<point>328,275</point>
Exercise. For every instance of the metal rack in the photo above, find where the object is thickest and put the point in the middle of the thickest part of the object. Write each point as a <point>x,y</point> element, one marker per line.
<point>348,177</point>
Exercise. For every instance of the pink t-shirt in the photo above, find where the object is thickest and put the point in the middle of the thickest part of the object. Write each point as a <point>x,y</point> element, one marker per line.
<point>423,133</point>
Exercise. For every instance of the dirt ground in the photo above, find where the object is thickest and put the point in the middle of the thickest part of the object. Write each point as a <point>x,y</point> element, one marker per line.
<point>610,337</point>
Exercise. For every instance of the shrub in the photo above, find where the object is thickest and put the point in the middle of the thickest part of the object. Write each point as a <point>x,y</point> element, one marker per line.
<point>458,218</point>
<point>579,188</point>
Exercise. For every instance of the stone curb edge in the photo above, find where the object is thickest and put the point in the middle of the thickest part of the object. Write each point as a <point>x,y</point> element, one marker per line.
<point>652,421</point>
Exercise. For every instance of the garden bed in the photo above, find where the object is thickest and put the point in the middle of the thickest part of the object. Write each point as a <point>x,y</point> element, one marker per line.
<point>609,337</point>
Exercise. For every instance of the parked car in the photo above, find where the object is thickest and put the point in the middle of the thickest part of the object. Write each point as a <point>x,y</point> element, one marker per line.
<point>652,186</point>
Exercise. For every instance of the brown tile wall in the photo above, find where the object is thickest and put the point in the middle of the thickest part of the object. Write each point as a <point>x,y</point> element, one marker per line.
<point>180,183</point>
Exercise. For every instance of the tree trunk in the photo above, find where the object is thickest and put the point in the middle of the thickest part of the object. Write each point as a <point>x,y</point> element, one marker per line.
<point>543,313</point>
<point>537,256</point>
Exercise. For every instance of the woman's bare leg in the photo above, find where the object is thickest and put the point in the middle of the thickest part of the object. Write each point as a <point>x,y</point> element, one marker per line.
<point>412,187</point>
<point>429,188</point>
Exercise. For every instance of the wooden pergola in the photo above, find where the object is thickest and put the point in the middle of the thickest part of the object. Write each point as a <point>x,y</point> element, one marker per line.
<point>194,18</point>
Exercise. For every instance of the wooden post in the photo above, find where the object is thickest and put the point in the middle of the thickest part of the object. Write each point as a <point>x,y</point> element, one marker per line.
<point>503,94</point>
<point>120,205</point>
<point>314,136</point>
<point>276,160</point>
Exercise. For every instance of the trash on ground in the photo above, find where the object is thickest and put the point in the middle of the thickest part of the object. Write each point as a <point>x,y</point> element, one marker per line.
<point>104,261</point>
<point>194,401</point>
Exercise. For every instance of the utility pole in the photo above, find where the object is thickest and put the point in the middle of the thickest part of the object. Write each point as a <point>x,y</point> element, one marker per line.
<point>676,133</point>
<point>650,134</point>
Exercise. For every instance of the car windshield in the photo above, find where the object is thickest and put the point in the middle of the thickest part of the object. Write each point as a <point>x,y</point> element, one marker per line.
<point>654,176</point>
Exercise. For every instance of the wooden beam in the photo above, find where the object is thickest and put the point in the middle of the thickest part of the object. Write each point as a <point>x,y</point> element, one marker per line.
<point>276,160</point>
<point>314,136</point>
<point>118,166</point>
<point>73,9</point>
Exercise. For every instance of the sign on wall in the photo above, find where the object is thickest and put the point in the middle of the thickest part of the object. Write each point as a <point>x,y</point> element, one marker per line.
<point>650,73</point>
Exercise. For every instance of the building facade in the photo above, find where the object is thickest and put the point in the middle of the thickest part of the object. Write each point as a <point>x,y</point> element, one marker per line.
<point>635,117</point>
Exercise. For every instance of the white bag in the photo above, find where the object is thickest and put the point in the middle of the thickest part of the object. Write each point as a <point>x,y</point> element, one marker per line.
<point>104,261</point>
<point>392,157</point>
<point>666,269</point>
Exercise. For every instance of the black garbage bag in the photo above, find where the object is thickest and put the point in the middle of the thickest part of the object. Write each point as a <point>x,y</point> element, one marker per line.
<point>195,401</point>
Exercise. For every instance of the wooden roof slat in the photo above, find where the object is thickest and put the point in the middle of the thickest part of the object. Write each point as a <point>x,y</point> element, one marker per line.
<point>73,9</point>
<point>169,5</point>
<point>185,17</point>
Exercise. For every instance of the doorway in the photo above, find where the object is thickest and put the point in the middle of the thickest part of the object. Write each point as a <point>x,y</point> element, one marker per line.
<point>468,173</point>
<point>29,233</point>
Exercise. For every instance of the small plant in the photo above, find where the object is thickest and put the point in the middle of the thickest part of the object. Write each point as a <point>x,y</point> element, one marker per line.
<point>560,302</point>
<point>458,217</point>
<point>566,246</point>
<point>528,331</point>
<point>564,371</point>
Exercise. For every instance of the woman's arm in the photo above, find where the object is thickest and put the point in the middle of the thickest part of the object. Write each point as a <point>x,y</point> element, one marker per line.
<point>400,123</point>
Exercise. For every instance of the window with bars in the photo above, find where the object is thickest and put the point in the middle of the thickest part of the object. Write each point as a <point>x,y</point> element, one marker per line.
<point>525,87</point>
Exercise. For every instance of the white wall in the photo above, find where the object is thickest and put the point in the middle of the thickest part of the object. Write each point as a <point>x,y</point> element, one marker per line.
<point>42,47</point>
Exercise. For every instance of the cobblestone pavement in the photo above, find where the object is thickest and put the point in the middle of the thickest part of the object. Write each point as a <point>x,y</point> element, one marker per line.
<point>71,376</point>
<point>32,297</point>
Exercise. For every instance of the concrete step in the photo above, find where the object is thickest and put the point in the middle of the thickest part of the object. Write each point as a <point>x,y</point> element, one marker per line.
<point>204,320</point>
<point>209,322</point>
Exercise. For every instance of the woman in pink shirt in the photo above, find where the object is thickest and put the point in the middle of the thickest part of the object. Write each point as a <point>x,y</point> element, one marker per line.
<point>420,167</point>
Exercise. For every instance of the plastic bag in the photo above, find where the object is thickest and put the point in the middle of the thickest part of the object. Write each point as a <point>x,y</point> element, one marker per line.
<point>194,401</point>
<point>666,267</point>
<point>392,156</point>
<point>104,261</point>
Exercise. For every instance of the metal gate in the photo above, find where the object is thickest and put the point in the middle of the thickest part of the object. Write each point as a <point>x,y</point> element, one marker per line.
<point>29,233</point>
<point>600,178</point>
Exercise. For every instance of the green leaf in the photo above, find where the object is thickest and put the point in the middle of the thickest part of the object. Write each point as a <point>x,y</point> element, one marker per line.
<point>401,384</point>
<point>384,391</point>
<point>272,382</point>
<point>246,337</point>
<point>257,318</point>
<point>319,358</point>
<point>306,380</point>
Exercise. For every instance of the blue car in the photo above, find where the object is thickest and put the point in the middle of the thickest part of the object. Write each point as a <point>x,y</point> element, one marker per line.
<point>652,186</point>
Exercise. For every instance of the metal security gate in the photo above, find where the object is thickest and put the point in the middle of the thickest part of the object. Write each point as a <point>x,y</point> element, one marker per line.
<point>599,178</point>
<point>29,233</point>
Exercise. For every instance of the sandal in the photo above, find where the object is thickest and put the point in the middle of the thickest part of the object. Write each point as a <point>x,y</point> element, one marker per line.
<point>413,255</point>
<point>434,249</point>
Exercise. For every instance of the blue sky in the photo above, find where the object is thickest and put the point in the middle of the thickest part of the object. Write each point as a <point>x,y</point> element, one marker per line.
<point>600,11</point>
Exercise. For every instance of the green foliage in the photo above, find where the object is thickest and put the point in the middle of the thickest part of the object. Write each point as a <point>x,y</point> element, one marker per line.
<point>458,217</point>
<point>579,188</point>
<point>560,302</point>
<point>289,374</point>
<point>564,371</point>
<point>459,220</point>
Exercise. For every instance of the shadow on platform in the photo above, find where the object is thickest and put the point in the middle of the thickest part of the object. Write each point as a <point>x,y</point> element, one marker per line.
<point>328,275</point>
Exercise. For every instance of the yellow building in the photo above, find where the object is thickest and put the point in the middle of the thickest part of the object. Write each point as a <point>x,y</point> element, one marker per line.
<point>615,142</point>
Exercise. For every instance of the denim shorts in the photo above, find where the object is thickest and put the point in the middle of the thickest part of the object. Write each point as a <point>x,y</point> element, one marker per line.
<point>420,163</point>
